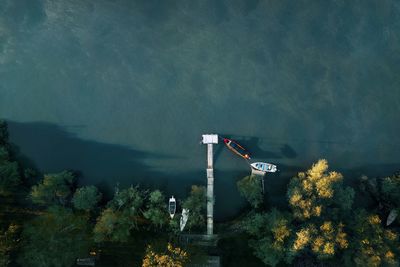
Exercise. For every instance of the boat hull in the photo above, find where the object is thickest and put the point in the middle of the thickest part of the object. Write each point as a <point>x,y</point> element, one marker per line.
<point>184,219</point>
<point>264,167</point>
<point>236,148</point>
<point>392,217</point>
<point>172,207</point>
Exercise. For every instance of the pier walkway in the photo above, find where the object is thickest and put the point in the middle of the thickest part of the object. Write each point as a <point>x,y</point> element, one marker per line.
<point>210,140</point>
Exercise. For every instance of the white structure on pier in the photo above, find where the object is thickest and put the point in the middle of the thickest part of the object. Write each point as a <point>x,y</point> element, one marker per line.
<point>209,140</point>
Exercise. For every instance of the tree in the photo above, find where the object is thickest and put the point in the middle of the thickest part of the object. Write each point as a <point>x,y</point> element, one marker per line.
<point>9,174</point>
<point>318,193</point>
<point>391,191</point>
<point>271,233</point>
<point>3,133</point>
<point>86,198</point>
<point>371,244</point>
<point>120,217</point>
<point>156,211</point>
<point>323,240</point>
<point>108,227</point>
<point>55,238</point>
<point>318,200</point>
<point>53,189</point>
<point>130,198</point>
<point>391,188</point>
<point>384,191</point>
<point>172,257</point>
<point>250,188</point>
<point>196,204</point>
<point>8,242</point>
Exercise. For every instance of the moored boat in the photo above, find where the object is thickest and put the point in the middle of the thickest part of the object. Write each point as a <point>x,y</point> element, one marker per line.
<point>172,207</point>
<point>236,148</point>
<point>184,218</point>
<point>392,216</point>
<point>264,167</point>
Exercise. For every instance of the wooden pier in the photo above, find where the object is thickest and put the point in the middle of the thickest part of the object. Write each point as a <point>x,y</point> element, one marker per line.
<point>257,172</point>
<point>210,140</point>
<point>260,175</point>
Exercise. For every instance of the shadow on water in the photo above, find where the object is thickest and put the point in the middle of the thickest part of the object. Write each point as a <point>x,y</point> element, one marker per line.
<point>217,152</point>
<point>53,149</point>
<point>50,148</point>
<point>256,146</point>
<point>288,152</point>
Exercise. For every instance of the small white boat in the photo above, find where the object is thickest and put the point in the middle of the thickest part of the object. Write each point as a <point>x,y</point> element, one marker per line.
<point>184,218</point>
<point>392,216</point>
<point>264,167</point>
<point>172,207</point>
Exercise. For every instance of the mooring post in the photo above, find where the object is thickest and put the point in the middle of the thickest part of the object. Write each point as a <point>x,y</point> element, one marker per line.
<point>210,139</point>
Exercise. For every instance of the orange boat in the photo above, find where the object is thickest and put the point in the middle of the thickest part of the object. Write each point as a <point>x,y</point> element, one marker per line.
<point>236,148</point>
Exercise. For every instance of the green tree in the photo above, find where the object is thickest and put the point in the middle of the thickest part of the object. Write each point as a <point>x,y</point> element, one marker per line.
<point>391,188</point>
<point>156,211</point>
<point>196,203</point>
<point>130,198</point>
<point>371,244</point>
<point>120,217</point>
<point>3,133</point>
<point>108,227</point>
<point>8,242</point>
<point>391,192</point>
<point>86,198</point>
<point>9,174</point>
<point>250,188</point>
<point>53,189</point>
<point>55,238</point>
<point>271,235</point>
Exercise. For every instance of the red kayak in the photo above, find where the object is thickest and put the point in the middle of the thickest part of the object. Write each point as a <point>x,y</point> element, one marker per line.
<point>236,148</point>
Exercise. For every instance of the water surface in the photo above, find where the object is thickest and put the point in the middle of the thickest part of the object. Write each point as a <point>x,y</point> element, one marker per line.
<point>122,90</point>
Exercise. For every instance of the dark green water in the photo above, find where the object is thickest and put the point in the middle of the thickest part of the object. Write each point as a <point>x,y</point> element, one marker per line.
<point>122,90</point>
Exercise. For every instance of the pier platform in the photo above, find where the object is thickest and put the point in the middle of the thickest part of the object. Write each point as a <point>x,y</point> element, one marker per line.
<point>210,140</point>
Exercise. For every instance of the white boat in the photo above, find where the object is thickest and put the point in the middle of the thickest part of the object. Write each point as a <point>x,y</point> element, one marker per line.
<point>264,167</point>
<point>184,218</point>
<point>172,207</point>
<point>392,216</point>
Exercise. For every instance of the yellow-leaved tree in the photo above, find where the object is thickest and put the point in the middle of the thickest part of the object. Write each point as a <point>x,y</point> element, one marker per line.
<point>172,257</point>
<point>322,240</point>
<point>317,192</point>
<point>319,200</point>
<point>372,244</point>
